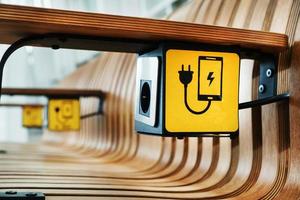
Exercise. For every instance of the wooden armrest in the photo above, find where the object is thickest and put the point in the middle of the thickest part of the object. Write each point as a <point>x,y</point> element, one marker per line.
<point>62,93</point>
<point>126,34</point>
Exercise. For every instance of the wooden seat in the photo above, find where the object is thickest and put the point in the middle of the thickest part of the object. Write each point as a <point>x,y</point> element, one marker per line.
<point>107,159</point>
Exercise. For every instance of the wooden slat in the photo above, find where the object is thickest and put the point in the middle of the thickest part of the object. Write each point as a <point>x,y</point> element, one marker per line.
<point>17,22</point>
<point>64,93</point>
<point>107,159</point>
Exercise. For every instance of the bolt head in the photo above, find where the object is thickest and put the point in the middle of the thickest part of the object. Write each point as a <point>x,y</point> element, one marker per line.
<point>2,151</point>
<point>55,47</point>
<point>11,192</point>
<point>261,88</point>
<point>269,73</point>
<point>31,194</point>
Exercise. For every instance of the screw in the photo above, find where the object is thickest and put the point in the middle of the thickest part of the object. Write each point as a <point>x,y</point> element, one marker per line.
<point>55,46</point>
<point>269,73</point>
<point>31,194</point>
<point>11,192</point>
<point>261,88</point>
<point>2,151</point>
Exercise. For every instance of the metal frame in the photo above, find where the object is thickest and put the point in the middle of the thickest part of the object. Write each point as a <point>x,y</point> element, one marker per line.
<point>56,39</point>
<point>268,63</point>
<point>21,105</point>
<point>264,101</point>
<point>267,76</point>
<point>98,112</point>
<point>265,60</point>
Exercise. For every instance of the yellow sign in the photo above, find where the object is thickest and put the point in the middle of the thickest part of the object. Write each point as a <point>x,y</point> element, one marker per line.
<point>201,91</point>
<point>32,116</point>
<point>64,115</point>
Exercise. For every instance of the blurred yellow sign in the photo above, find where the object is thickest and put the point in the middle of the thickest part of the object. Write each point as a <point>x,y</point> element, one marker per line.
<point>32,116</point>
<point>201,91</point>
<point>64,115</point>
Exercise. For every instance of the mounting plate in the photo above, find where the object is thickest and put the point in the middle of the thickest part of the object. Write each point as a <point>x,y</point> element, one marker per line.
<point>268,77</point>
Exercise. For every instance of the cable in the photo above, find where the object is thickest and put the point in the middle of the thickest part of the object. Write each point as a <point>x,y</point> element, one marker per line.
<point>189,108</point>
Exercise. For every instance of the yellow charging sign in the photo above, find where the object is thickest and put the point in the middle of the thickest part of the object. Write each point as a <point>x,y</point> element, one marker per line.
<point>32,116</point>
<point>64,115</point>
<point>201,91</point>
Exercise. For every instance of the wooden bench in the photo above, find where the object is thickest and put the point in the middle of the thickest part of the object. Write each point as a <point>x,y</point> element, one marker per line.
<point>107,159</point>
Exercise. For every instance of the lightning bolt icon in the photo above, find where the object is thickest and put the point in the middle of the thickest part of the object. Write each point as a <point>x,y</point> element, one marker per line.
<point>210,77</point>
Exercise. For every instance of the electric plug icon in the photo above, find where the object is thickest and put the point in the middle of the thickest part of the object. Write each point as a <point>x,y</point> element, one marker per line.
<point>185,76</point>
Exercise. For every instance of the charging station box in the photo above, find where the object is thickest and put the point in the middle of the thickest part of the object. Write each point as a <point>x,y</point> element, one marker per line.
<point>32,116</point>
<point>64,115</point>
<point>183,91</point>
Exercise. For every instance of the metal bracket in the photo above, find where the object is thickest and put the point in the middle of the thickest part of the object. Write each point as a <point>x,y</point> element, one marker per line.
<point>99,112</point>
<point>14,195</point>
<point>3,151</point>
<point>268,76</point>
<point>264,101</point>
<point>57,41</point>
<point>267,89</point>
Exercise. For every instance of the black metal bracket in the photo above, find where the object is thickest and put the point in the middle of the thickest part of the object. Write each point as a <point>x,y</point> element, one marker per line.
<point>12,48</point>
<point>264,101</point>
<point>267,76</point>
<point>3,151</point>
<point>99,112</point>
<point>267,88</point>
<point>14,195</point>
<point>57,41</point>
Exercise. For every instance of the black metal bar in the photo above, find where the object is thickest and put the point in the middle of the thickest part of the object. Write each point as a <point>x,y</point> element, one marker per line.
<point>264,101</point>
<point>99,112</point>
<point>53,93</point>
<point>90,115</point>
<point>15,46</point>
<point>11,105</point>
<point>20,105</point>
<point>55,41</point>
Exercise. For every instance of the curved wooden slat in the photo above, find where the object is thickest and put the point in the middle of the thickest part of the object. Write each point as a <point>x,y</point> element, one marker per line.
<point>108,159</point>
<point>32,21</point>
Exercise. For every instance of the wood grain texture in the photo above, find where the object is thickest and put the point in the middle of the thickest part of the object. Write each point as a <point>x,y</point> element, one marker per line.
<point>31,21</point>
<point>106,159</point>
